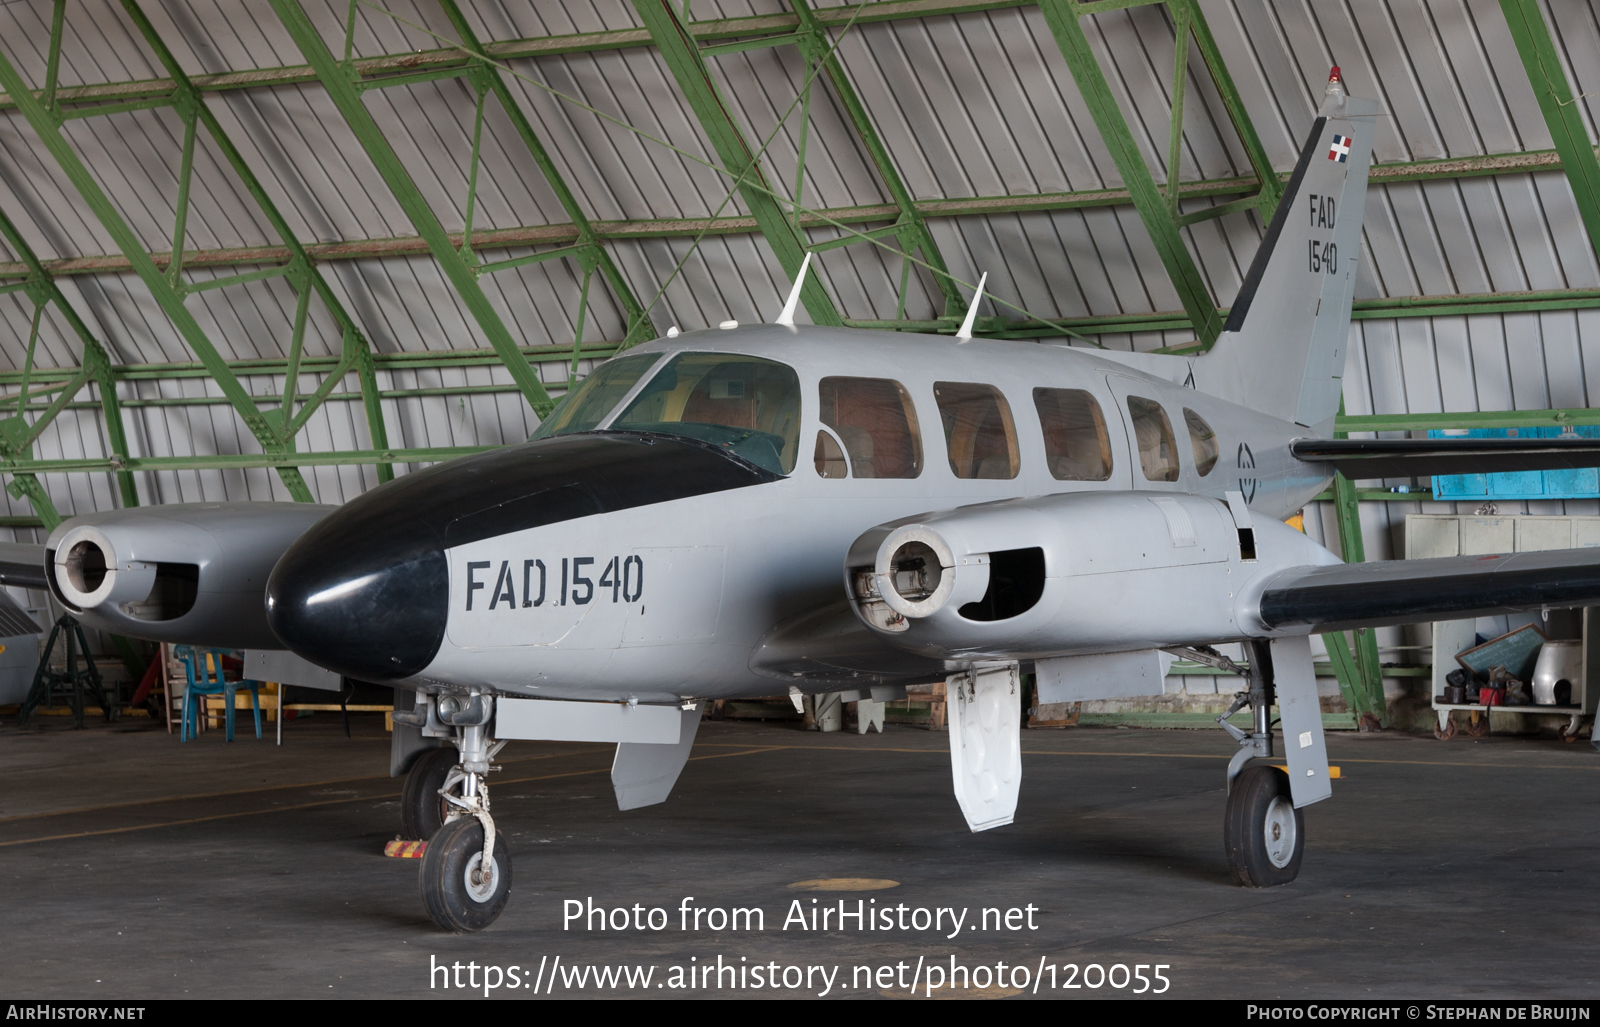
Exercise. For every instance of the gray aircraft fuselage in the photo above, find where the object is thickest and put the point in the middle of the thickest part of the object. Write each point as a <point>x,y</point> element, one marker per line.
<point>655,566</point>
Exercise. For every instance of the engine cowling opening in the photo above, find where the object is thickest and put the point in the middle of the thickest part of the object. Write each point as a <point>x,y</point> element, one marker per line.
<point>176,588</point>
<point>1016,583</point>
<point>915,571</point>
<point>86,566</point>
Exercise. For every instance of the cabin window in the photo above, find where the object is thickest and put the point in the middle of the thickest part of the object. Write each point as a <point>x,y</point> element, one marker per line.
<point>1203,440</point>
<point>745,405</point>
<point>874,419</point>
<point>979,436</point>
<point>1158,453</point>
<point>829,457</point>
<point>587,405</point>
<point>1076,444</point>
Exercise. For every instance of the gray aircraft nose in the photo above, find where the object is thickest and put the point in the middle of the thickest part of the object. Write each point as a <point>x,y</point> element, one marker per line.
<point>366,591</point>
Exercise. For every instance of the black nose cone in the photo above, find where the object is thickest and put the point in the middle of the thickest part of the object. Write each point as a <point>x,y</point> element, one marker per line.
<point>366,591</point>
<point>362,594</point>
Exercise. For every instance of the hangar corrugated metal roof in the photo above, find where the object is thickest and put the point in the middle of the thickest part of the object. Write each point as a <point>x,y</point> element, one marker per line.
<point>968,105</point>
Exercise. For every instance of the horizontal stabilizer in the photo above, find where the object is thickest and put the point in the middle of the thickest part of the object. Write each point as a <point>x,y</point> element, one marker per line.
<point>14,620</point>
<point>1357,459</point>
<point>1356,595</point>
<point>22,565</point>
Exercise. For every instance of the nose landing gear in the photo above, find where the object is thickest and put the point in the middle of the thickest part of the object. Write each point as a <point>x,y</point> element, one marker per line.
<point>423,809</point>
<point>457,891</point>
<point>466,868</point>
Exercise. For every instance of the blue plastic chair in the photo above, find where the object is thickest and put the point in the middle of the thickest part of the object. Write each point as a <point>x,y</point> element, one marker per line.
<point>203,669</point>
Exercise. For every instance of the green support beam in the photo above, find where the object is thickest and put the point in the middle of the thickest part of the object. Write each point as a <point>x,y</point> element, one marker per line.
<point>1573,155</point>
<point>262,366</point>
<point>298,264</point>
<point>25,485</point>
<point>913,232</point>
<point>1266,198</point>
<point>1525,18</point>
<point>335,78</point>
<point>688,68</point>
<point>1470,419</point>
<point>860,214</point>
<point>1360,676</point>
<point>24,470</point>
<point>595,256</point>
<point>46,125</point>
<point>541,46</point>
<point>1159,221</point>
<point>96,364</point>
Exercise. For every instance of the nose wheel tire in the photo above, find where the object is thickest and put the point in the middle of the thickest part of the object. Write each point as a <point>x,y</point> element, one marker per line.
<point>1265,836</point>
<point>422,808</point>
<point>455,890</point>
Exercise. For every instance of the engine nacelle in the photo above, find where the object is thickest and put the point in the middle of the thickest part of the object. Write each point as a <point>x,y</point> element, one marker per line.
<point>1075,573</point>
<point>191,572</point>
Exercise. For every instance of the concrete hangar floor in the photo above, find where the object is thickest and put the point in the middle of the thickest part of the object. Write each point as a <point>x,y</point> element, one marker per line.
<point>135,867</point>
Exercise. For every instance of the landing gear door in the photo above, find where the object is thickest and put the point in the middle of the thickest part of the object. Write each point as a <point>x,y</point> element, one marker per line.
<point>985,711</point>
<point>1301,720</point>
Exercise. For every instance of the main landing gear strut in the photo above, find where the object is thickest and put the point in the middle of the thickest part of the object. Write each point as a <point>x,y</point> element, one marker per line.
<point>466,868</point>
<point>1263,833</point>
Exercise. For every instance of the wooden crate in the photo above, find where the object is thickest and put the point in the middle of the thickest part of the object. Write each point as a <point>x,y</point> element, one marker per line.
<point>923,706</point>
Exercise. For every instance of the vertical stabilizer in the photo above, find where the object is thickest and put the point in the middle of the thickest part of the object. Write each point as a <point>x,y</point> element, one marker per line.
<point>1282,350</point>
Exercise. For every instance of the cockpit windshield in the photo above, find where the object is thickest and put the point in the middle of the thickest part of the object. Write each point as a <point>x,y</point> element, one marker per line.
<point>587,405</point>
<point>746,405</point>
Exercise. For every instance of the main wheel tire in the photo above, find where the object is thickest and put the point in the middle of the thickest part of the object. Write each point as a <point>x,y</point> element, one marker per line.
<point>1264,834</point>
<point>422,808</point>
<point>455,896</point>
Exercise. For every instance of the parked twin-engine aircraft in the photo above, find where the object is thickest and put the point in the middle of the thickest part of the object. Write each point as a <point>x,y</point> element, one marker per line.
<point>731,512</point>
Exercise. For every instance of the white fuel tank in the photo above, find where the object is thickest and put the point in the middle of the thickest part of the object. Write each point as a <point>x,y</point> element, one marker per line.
<point>1076,573</point>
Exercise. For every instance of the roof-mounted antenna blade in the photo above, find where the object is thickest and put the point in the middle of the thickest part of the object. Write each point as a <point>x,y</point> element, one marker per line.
<point>787,317</point>
<point>965,334</point>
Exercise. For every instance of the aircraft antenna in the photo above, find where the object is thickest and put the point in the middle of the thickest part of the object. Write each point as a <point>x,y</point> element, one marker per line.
<point>965,334</point>
<point>787,316</point>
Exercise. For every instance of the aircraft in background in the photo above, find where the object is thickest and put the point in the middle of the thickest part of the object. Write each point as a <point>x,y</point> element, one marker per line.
<point>730,512</point>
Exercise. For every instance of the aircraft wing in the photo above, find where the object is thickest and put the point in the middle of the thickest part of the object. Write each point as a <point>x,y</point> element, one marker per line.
<point>22,565</point>
<point>1404,458</point>
<point>830,644</point>
<point>1354,595</point>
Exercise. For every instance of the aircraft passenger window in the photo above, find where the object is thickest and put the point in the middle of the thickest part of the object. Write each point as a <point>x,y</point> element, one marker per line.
<point>746,405</point>
<point>875,420</point>
<point>1076,443</point>
<point>1204,441</point>
<point>829,458</point>
<point>978,433</point>
<point>1158,453</point>
<point>587,405</point>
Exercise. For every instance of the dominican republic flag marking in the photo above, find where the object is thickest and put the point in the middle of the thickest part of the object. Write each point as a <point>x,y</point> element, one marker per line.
<point>1340,149</point>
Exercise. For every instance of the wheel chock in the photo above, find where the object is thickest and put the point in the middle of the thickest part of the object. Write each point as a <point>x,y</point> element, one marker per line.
<point>1333,772</point>
<point>398,849</point>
